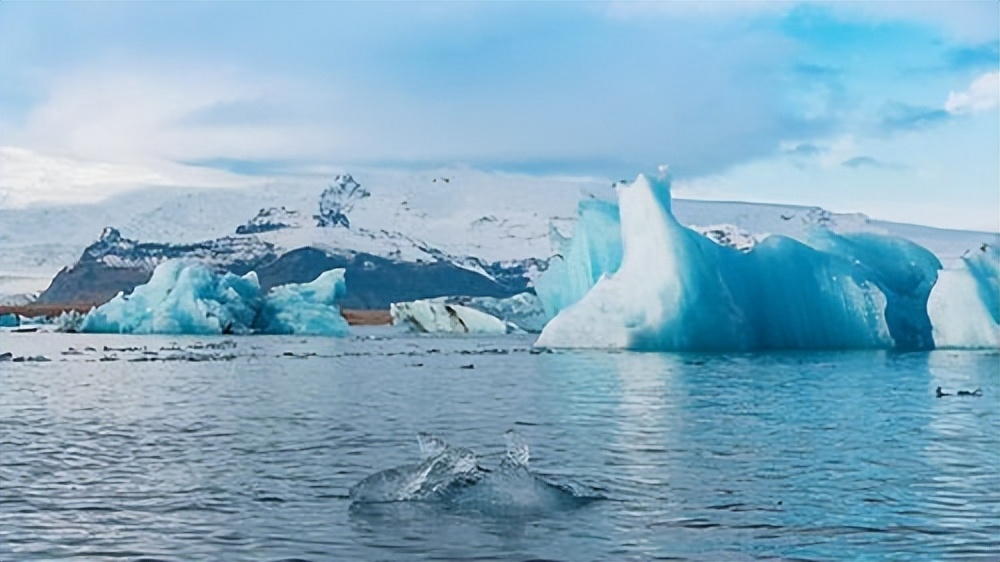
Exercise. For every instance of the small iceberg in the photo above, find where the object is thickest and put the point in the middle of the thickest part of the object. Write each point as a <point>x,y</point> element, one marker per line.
<point>453,478</point>
<point>185,297</point>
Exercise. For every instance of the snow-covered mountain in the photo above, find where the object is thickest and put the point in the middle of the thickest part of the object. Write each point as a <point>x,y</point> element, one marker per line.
<point>491,224</point>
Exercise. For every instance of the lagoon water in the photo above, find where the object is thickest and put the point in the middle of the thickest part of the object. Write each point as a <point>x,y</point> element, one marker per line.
<point>186,449</point>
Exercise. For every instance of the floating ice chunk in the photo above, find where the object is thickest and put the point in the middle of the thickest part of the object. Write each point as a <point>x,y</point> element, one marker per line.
<point>9,321</point>
<point>442,470</point>
<point>432,316</point>
<point>451,477</point>
<point>307,308</point>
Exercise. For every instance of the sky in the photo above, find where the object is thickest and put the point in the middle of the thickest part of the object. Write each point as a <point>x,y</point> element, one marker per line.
<point>885,108</point>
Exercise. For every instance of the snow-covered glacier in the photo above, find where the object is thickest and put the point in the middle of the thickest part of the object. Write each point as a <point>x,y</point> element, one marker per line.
<point>184,297</point>
<point>633,277</point>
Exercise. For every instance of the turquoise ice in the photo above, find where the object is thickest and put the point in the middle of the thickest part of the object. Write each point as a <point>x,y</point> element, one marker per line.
<point>633,277</point>
<point>185,297</point>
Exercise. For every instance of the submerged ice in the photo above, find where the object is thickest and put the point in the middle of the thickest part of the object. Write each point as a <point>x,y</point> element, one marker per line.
<point>189,298</point>
<point>633,277</point>
<point>453,477</point>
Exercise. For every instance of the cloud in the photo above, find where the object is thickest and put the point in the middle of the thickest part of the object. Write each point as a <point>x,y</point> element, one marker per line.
<point>983,94</point>
<point>804,149</point>
<point>868,162</point>
<point>974,56</point>
<point>29,177</point>
<point>897,116</point>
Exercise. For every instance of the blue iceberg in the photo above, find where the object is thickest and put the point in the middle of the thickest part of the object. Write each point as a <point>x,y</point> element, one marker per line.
<point>189,298</point>
<point>181,298</point>
<point>674,289</point>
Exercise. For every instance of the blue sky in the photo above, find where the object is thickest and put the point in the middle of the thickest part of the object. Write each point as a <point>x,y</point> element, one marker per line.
<point>885,108</point>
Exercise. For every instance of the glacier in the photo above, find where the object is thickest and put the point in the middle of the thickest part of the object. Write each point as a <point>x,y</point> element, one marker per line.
<point>185,297</point>
<point>633,277</point>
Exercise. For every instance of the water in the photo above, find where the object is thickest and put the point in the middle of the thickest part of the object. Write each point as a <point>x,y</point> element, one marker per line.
<point>251,455</point>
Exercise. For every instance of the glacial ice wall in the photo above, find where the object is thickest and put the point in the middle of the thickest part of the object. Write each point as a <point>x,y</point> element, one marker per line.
<point>677,290</point>
<point>185,297</point>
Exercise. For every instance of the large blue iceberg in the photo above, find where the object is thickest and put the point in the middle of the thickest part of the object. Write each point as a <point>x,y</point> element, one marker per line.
<point>188,298</point>
<point>634,277</point>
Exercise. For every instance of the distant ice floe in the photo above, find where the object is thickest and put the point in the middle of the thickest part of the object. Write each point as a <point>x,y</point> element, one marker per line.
<point>188,298</point>
<point>472,315</point>
<point>633,277</point>
<point>432,316</point>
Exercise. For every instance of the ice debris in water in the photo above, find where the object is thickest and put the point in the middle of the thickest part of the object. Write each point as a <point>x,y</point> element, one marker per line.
<point>633,277</point>
<point>185,297</point>
<point>451,477</point>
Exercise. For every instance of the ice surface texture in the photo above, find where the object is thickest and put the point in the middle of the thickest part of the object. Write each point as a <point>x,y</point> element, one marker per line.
<point>188,298</point>
<point>677,290</point>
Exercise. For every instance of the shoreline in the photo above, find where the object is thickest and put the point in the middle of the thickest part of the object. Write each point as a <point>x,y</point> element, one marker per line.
<point>354,317</point>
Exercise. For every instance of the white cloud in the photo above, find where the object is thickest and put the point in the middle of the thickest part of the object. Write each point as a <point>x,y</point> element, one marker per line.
<point>28,177</point>
<point>981,95</point>
<point>129,114</point>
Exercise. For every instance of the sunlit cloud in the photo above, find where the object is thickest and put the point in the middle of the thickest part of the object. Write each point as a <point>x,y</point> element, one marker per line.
<point>983,94</point>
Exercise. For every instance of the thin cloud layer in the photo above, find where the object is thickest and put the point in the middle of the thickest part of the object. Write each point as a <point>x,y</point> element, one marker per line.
<point>173,93</point>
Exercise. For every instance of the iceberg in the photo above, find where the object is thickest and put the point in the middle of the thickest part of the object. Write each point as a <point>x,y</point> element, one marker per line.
<point>435,316</point>
<point>677,290</point>
<point>181,298</point>
<point>185,297</point>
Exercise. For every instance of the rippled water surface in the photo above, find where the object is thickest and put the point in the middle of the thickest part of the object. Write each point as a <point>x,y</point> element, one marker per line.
<point>245,449</point>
